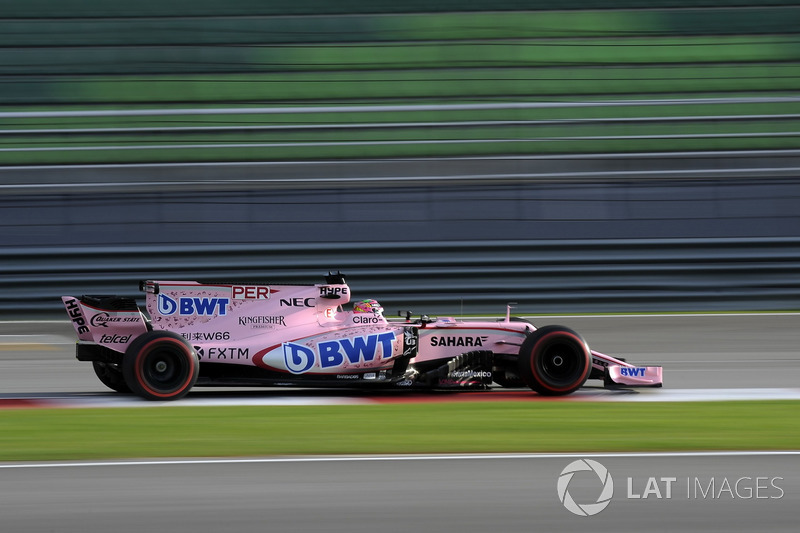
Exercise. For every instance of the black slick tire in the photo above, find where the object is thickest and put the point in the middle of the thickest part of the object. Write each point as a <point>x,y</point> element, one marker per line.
<point>554,361</point>
<point>160,365</point>
<point>111,376</point>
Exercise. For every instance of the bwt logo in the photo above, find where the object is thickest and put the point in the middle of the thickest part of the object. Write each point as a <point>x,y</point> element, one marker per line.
<point>332,354</point>
<point>632,372</point>
<point>188,306</point>
<point>586,509</point>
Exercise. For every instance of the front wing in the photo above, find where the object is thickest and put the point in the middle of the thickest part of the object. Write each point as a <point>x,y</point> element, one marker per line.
<point>617,372</point>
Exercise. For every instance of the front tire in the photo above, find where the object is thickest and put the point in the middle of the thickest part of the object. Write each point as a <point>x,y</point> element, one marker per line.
<point>160,365</point>
<point>554,361</point>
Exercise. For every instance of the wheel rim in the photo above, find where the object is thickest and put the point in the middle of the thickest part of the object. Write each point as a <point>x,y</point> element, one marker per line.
<point>560,364</point>
<point>165,369</point>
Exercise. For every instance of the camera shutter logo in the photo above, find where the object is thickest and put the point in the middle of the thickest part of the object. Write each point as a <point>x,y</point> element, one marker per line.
<point>587,509</point>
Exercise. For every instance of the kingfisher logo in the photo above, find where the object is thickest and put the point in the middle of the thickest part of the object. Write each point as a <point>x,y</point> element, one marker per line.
<point>585,509</point>
<point>333,354</point>
<point>190,306</point>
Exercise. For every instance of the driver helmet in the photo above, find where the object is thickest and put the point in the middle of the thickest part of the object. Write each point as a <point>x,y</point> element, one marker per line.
<point>368,306</point>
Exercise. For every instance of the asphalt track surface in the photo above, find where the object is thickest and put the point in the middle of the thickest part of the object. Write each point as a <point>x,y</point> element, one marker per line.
<point>462,494</point>
<point>752,492</point>
<point>728,351</point>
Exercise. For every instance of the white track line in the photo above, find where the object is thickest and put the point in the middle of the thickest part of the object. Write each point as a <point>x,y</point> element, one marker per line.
<point>429,457</point>
<point>688,395</point>
<point>390,108</point>
<point>584,395</point>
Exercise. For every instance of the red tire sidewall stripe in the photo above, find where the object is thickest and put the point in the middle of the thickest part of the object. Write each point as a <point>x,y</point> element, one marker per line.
<point>138,367</point>
<point>536,349</point>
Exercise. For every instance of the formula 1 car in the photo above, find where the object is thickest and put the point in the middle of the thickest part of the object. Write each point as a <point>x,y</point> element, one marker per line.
<point>229,334</point>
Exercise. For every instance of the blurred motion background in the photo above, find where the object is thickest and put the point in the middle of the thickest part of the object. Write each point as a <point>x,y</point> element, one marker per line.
<point>447,156</point>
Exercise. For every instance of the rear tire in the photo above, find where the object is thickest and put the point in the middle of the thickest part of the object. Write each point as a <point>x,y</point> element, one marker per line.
<point>111,376</point>
<point>160,365</point>
<point>554,361</point>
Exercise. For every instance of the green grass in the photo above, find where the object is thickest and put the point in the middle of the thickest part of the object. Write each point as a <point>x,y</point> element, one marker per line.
<point>466,427</point>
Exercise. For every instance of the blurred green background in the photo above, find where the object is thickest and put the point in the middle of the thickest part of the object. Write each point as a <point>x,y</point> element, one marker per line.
<point>112,55</point>
<point>455,144</point>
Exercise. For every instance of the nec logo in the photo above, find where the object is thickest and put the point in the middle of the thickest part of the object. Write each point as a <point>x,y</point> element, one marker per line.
<point>188,306</point>
<point>298,302</point>
<point>632,372</point>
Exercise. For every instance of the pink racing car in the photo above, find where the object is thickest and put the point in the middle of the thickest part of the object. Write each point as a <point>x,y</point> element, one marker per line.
<point>227,334</point>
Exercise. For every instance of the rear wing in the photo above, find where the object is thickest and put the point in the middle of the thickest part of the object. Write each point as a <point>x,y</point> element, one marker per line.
<point>110,321</point>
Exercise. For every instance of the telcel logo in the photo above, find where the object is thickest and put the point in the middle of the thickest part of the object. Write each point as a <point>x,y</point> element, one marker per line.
<point>188,306</point>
